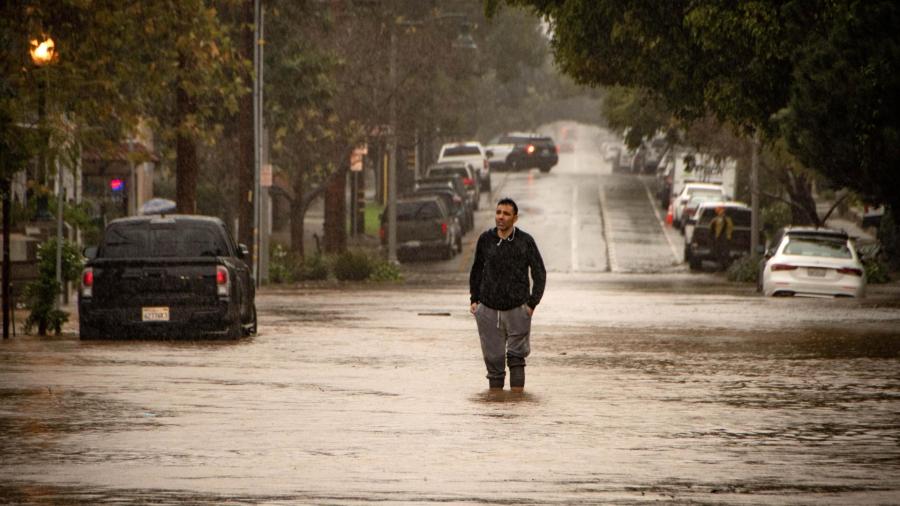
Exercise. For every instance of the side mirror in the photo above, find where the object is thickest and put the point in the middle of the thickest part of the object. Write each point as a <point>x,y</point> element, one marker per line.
<point>489,153</point>
<point>243,252</point>
<point>90,252</point>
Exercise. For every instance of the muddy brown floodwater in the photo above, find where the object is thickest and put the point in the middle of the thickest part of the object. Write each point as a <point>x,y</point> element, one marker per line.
<point>639,389</point>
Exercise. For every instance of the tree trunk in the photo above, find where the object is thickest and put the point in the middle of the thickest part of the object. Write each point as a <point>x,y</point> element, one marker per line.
<point>186,164</point>
<point>336,213</point>
<point>804,211</point>
<point>245,166</point>
<point>298,216</point>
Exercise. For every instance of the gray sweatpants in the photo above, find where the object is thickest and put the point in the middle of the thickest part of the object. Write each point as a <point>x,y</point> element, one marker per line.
<point>504,335</point>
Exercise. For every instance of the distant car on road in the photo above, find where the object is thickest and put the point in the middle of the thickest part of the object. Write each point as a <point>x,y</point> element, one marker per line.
<point>532,151</point>
<point>813,262</point>
<point>169,275</point>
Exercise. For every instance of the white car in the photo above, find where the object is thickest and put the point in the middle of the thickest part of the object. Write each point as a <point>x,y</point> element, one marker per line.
<point>713,191</point>
<point>814,262</point>
<point>472,152</point>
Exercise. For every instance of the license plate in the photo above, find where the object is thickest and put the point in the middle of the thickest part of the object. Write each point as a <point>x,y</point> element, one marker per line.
<point>815,272</point>
<point>155,314</point>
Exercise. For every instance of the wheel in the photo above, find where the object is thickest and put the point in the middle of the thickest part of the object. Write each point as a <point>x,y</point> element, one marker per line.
<point>545,170</point>
<point>250,328</point>
<point>447,251</point>
<point>234,330</point>
<point>459,244</point>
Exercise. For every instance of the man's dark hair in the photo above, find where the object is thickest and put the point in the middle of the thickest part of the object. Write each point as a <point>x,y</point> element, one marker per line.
<point>506,201</point>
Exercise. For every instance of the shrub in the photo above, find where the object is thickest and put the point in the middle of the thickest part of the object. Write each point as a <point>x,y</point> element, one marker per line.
<point>40,295</point>
<point>352,266</point>
<point>744,269</point>
<point>382,270</point>
<point>877,270</point>
<point>314,268</point>
<point>283,265</point>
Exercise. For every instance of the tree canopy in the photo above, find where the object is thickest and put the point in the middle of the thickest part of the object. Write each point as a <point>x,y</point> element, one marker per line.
<point>822,74</point>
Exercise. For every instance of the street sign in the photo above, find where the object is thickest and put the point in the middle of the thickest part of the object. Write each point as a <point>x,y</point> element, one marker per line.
<point>356,157</point>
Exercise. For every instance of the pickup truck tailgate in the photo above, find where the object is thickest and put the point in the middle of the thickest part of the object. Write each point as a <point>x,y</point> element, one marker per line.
<point>155,281</point>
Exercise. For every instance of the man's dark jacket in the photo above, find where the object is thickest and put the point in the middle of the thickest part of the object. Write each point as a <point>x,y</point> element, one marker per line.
<point>499,276</point>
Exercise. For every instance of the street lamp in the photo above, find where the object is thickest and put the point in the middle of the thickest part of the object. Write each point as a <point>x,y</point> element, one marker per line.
<point>43,53</point>
<point>463,41</point>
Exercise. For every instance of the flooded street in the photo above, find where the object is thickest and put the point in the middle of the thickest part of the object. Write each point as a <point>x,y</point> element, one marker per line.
<point>640,388</point>
<point>646,383</point>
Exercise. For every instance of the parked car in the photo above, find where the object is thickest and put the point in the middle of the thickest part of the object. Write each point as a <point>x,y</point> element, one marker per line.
<point>166,275</point>
<point>533,151</point>
<point>423,224</point>
<point>813,262</point>
<point>713,191</point>
<point>699,238</point>
<point>464,170</point>
<point>694,203</point>
<point>456,181</point>
<point>471,152</point>
<point>456,204</point>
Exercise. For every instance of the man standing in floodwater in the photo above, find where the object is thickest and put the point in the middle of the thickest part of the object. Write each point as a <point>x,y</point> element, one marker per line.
<point>502,299</point>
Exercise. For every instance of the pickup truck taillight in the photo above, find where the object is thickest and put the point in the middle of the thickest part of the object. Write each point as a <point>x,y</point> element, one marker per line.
<point>87,282</point>
<point>444,228</point>
<point>223,281</point>
<point>468,181</point>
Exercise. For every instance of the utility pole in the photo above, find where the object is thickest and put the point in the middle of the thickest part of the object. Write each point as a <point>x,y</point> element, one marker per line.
<point>754,195</point>
<point>392,162</point>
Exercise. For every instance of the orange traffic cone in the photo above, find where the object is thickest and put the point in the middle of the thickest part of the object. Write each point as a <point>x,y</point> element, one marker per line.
<point>669,216</point>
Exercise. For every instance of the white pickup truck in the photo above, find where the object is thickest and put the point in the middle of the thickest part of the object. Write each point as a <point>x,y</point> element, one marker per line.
<point>471,152</point>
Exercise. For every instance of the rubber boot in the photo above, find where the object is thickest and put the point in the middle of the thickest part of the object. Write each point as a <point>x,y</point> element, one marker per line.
<point>496,383</point>
<point>517,378</point>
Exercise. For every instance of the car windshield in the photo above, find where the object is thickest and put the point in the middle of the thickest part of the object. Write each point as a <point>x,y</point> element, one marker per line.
<point>462,151</point>
<point>418,210</point>
<point>706,193</point>
<point>817,247</point>
<point>739,217</point>
<point>445,171</point>
<point>136,240</point>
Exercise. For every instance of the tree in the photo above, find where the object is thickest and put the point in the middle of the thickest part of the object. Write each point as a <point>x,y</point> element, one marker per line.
<point>821,74</point>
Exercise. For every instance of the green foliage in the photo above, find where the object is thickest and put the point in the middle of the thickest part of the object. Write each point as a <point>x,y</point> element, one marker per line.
<point>877,270</point>
<point>41,294</point>
<point>383,270</point>
<point>287,267</point>
<point>315,268</point>
<point>775,216</point>
<point>889,237</point>
<point>744,269</point>
<point>352,266</point>
<point>821,75</point>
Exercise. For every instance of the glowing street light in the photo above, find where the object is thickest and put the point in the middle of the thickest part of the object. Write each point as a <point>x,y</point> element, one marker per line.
<point>44,52</point>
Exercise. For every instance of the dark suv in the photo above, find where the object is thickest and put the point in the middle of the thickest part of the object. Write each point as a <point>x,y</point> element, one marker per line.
<point>699,240</point>
<point>531,151</point>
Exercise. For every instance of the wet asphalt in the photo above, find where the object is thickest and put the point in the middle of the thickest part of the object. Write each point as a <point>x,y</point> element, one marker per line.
<point>646,383</point>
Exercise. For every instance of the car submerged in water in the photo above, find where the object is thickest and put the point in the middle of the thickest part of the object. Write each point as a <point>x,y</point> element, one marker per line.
<point>813,262</point>
<point>166,275</point>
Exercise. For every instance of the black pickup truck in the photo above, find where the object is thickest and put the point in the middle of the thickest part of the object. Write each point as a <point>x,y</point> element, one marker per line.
<point>172,275</point>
